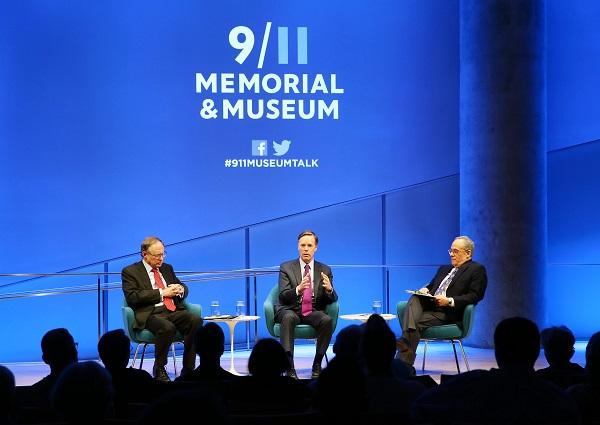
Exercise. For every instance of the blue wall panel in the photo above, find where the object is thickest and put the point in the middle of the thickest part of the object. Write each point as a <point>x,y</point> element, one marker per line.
<point>422,221</point>
<point>573,56</point>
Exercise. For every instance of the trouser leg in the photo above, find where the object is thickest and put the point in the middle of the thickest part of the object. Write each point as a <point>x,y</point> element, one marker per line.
<point>164,333</point>
<point>324,326</point>
<point>288,321</point>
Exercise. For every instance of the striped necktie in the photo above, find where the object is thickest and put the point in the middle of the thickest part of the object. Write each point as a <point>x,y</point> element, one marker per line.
<point>441,290</point>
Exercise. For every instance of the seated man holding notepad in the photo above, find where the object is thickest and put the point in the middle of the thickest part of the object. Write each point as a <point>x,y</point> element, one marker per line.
<point>452,288</point>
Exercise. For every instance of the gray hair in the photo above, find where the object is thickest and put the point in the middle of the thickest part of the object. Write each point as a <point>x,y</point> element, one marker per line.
<point>147,242</point>
<point>467,242</point>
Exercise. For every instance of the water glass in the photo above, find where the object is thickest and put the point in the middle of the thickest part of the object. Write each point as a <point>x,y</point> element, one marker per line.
<point>377,307</point>
<point>240,308</point>
<point>214,308</point>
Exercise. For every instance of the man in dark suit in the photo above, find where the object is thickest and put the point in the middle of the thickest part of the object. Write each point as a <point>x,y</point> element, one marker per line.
<point>305,290</point>
<point>156,296</point>
<point>444,299</point>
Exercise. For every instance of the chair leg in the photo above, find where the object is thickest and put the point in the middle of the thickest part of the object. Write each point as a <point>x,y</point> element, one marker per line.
<point>455,356</point>
<point>143,353</point>
<point>137,347</point>
<point>174,358</point>
<point>464,355</point>
<point>424,354</point>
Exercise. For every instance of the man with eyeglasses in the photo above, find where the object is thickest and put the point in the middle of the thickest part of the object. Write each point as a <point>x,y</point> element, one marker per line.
<point>452,288</point>
<point>156,296</point>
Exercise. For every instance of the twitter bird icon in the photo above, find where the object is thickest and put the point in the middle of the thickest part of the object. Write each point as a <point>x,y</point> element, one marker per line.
<point>281,148</point>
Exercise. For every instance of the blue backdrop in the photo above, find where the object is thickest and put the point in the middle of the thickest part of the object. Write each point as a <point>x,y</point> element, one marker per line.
<point>106,137</point>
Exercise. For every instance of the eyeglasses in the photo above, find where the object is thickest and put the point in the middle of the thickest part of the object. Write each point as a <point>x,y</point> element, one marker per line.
<point>454,251</point>
<point>161,255</point>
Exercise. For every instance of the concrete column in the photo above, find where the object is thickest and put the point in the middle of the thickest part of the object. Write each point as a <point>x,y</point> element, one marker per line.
<point>503,155</point>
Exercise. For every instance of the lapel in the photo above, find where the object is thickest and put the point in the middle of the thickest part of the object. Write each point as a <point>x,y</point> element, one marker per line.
<point>297,272</point>
<point>317,281</point>
<point>144,275</point>
<point>459,272</point>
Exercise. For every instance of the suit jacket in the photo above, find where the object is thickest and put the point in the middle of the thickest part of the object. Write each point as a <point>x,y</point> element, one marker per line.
<point>139,293</point>
<point>467,286</point>
<point>290,277</point>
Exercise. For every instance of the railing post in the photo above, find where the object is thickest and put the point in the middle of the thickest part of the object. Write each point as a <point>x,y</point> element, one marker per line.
<point>105,301</point>
<point>99,306</point>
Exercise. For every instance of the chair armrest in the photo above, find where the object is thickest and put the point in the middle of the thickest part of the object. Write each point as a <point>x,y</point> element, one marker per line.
<point>193,308</point>
<point>400,307</point>
<point>467,320</point>
<point>269,309</point>
<point>128,321</point>
<point>333,311</point>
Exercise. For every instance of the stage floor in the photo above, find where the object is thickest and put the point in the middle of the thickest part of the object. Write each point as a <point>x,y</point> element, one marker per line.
<point>440,360</point>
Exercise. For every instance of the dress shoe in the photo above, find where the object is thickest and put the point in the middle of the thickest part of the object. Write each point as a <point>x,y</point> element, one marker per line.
<point>404,352</point>
<point>291,373</point>
<point>316,371</point>
<point>160,374</point>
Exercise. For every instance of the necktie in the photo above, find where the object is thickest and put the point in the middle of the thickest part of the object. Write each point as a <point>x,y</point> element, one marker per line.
<point>307,294</point>
<point>446,282</point>
<point>168,301</point>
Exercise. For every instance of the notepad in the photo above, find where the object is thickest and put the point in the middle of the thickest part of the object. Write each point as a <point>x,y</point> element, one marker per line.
<point>419,294</point>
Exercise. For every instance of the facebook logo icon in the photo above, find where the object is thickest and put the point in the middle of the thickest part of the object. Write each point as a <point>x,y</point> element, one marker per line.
<point>259,148</point>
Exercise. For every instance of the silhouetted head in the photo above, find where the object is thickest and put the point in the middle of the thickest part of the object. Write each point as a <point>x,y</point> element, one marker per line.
<point>209,341</point>
<point>378,346</point>
<point>517,343</point>
<point>558,344</point>
<point>348,343</point>
<point>592,358</point>
<point>7,392</point>
<point>267,359</point>
<point>340,391</point>
<point>114,349</point>
<point>83,393</point>
<point>58,349</point>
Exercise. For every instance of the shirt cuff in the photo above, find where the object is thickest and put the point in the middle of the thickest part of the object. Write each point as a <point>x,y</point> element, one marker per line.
<point>161,294</point>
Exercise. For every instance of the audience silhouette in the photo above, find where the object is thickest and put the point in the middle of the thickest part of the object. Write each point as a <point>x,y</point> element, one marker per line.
<point>83,394</point>
<point>130,385</point>
<point>388,397</point>
<point>266,390</point>
<point>340,391</point>
<point>587,395</point>
<point>361,384</point>
<point>7,396</point>
<point>209,341</point>
<point>511,394</point>
<point>558,343</point>
<point>348,344</point>
<point>58,351</point>
<point>199,405</point>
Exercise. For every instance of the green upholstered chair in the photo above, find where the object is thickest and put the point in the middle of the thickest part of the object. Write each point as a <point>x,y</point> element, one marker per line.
<point>301,331</point>
<point>146,337</point>
<point>451,332</point>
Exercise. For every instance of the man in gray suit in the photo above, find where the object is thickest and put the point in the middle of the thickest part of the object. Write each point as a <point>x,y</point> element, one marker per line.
<point>305,290</point>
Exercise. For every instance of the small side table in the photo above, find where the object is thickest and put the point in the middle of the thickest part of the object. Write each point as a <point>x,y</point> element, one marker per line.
<point>231,322</point>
